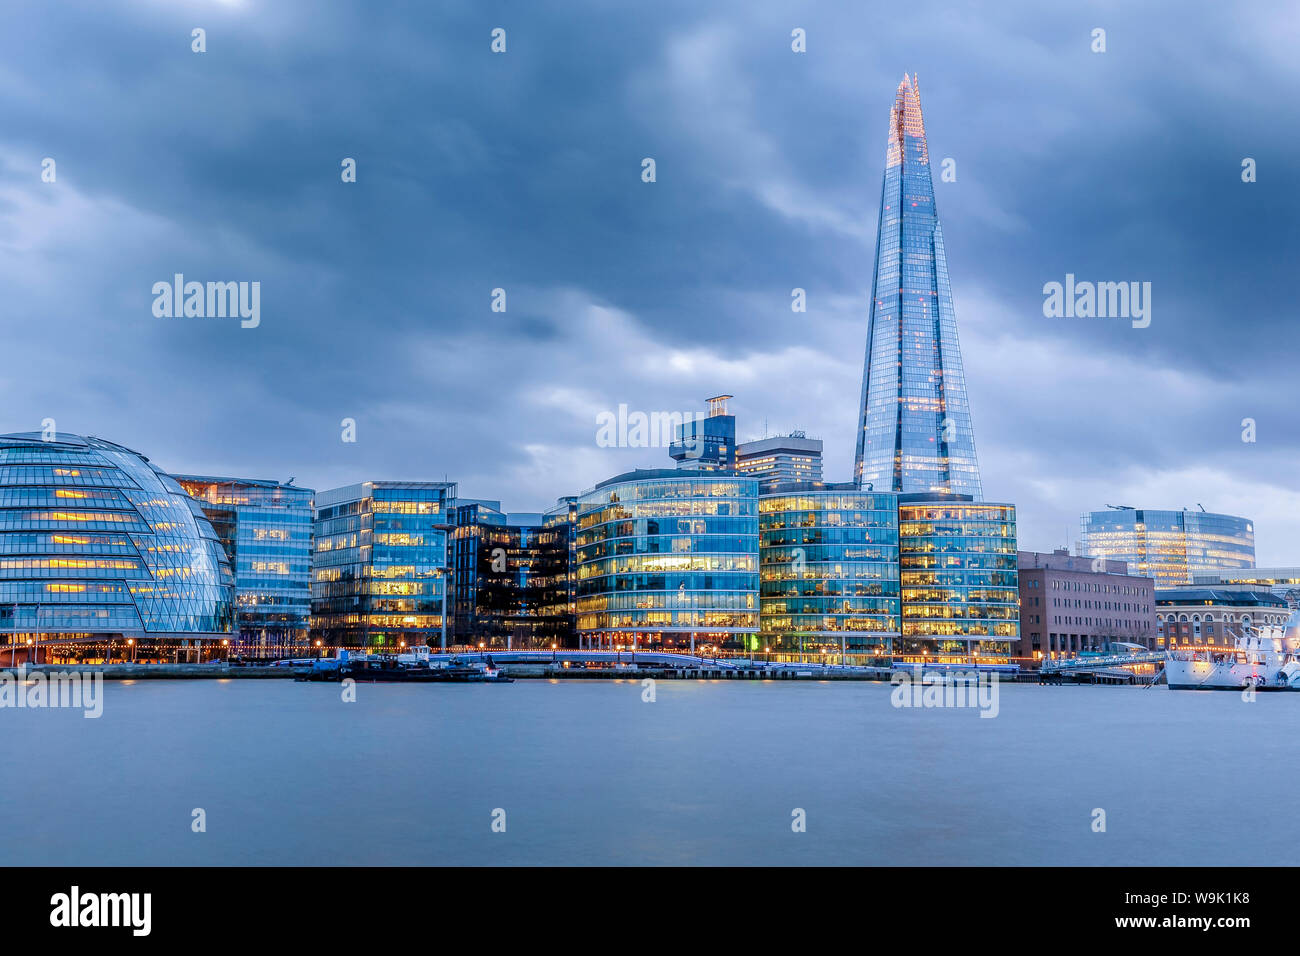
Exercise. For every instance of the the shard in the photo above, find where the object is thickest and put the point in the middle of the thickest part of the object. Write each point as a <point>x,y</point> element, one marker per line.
<point>914,430</point>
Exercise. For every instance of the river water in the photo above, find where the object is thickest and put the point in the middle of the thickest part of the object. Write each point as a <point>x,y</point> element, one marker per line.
<point>587,772</point>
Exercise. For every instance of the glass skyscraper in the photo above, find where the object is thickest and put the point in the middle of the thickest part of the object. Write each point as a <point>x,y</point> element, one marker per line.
<point>379,570</point>
<point>914,429</point>
<point>265,527</point>
<point>1170,546</point>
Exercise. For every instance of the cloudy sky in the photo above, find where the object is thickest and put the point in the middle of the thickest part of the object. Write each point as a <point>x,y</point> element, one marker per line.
<point>522,171</point>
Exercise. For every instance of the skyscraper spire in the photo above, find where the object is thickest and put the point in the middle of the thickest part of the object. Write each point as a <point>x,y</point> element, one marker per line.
<point>914,430</point>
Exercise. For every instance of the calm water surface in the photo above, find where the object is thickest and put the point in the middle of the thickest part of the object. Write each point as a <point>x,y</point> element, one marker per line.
<point>588,773</point>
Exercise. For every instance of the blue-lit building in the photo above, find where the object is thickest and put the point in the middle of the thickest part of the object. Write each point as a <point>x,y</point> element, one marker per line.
<point>709,443</point>
<point>914,430</point>
<point>266,529</point>
<point>959,577</point>
<point>379,568</point>
<point>102,552</point>
<point>828,567</point>
<point>668,559</point>
<point>1170,546</point>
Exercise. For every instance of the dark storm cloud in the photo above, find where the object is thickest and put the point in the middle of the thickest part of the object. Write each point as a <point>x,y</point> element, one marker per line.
<point>522,171</point>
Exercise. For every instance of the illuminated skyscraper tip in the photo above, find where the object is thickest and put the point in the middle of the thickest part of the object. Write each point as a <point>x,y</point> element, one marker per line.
<point>914,430</point>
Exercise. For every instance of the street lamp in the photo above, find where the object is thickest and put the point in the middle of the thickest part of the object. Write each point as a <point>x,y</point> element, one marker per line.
<point>226,644</point>
<point>553,652</point>
<point>131,643</point>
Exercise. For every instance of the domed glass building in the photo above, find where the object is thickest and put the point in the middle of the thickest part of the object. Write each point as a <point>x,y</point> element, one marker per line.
<point>99,549</point>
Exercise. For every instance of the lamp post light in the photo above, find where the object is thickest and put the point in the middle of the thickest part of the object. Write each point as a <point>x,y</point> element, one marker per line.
<point>31,652</point>
<point>318,646</point>
<point>131,643</point>
<point>225,644</point>
<point>553,652</point>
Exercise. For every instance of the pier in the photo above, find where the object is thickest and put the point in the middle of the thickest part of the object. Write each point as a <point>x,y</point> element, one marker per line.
<point>1104,669</point>
<point>556,665</point>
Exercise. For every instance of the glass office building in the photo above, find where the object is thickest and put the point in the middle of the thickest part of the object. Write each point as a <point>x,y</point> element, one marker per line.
<point>709,443</point>
<point>668,560</point>
<point>265,528</point>
<point>828,569</point>
<point>103,553</point>
<point>510,578</point>
<point>562,521</point>
<point>1170,546</point>
<point>380,564</point>
<point>914,431</point>
<point>958,571</point>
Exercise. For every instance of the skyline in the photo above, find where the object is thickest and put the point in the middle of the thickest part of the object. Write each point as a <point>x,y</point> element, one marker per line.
<point>655,295</point>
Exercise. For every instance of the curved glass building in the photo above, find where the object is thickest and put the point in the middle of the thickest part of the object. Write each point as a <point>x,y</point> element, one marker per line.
<point>1170,546</point>
<point>958,570</point>
<point>98,548</point>
<point>828,566</point>
<point>668,559</point>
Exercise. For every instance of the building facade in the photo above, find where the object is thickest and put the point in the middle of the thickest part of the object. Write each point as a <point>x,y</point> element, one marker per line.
<point>379,569</point>
<point>1170,546</point>
<point>1071,604</point>
<point>102,554</point>
<point>266,530</point>
<point>668,560</point>
<point>914,430</point>
<point>1284,582</point>
<point>1214,617</point>
<point>958,576</point>
<point>510,578</point>
<point>828,570</point>
<point>709,443</point>
<point>784,458</point>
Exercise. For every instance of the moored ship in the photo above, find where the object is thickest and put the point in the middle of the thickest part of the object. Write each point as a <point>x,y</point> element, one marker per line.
<point>1267,658</point>
<point>403,668</point>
